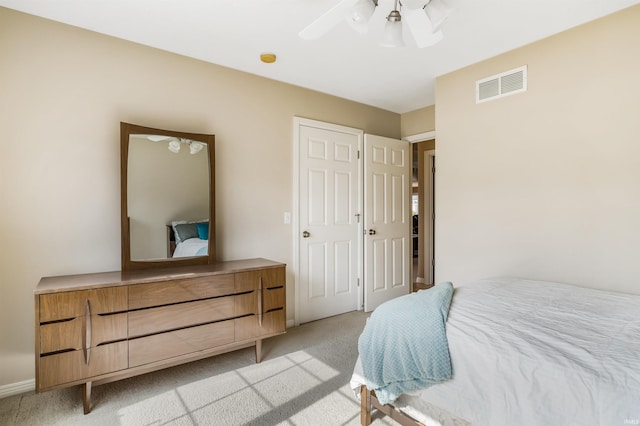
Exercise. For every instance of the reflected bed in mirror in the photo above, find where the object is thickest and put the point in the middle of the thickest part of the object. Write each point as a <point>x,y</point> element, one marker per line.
<point>168,214</point>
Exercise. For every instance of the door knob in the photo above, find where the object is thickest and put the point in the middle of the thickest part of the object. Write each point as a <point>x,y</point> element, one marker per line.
<point>372,232</point>
<point>306,234</point>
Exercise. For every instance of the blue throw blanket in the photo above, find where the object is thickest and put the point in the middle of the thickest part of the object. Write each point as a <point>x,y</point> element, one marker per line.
<point>403,346</point>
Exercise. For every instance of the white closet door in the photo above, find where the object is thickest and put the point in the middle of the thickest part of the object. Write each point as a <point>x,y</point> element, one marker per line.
<point>329,229</point>
<point>387,201</point>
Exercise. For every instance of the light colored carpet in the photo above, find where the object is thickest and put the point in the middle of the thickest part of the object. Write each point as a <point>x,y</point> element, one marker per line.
<point>302,380</point>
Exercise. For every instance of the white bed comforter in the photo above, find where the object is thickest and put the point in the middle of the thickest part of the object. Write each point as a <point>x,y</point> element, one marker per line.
<point>191,247</point>
<point>540,353</point>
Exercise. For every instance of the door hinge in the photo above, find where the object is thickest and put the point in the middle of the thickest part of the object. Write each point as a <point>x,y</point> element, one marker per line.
<point>358,217</point>
<point>358,154</point>
<point>358,282</point>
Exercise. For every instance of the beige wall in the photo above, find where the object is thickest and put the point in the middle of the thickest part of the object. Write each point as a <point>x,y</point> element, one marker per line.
<point>418,121</point>
<point>545,184</point>
<point>65,91</point>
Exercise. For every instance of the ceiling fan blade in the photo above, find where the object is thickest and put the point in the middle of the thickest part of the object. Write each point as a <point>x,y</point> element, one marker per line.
<point>414,4</point>
<point>438,11</point>
<point>158,138</point>
<point>421,28</point>
<point>327,21</point>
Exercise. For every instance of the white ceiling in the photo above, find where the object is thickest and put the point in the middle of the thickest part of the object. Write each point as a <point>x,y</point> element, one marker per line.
<point>233,33</point>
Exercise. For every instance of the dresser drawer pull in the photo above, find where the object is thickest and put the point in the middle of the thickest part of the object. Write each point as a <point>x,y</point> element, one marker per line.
<point>260,301</point>
<point>86,335</point>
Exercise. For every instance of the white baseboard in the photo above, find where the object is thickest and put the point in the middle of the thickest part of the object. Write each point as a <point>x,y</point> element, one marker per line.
<point>17,388</point>
<point>290,323</point>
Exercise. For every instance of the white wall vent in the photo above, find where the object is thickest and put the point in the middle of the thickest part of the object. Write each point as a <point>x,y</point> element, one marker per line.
<point>501,85</point>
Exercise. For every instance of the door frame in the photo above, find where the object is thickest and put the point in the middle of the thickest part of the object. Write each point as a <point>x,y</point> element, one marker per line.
<point>297,122</point>
<point>424,243</point>
<point>426,252</point>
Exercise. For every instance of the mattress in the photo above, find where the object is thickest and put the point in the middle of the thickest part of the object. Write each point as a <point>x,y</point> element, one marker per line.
<point>191,247</point>
<point>529,352</point>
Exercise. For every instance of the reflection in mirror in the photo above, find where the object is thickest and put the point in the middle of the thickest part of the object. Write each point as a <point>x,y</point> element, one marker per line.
<point>168,188</point>
<point>168,201</point>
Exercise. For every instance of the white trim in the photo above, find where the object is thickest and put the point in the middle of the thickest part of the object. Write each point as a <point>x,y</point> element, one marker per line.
<point>295,226</point>
<point>297,122</point>
<point>420,137</point>
<point>17,388</point>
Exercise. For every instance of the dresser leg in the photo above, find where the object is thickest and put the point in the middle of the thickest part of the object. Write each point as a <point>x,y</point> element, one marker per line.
<point>86,397</point>
<point>258,350</point>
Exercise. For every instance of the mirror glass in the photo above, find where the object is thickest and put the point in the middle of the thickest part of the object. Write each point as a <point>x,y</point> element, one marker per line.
<point>168,198</point>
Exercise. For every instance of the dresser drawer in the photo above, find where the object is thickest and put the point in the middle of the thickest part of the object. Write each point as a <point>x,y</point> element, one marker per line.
<point>171,317</point>
<point>70,366</point>
<point>249,327</point>
<point>253,280</point>
<point>71,304</point>
<point>246,304</point>
<point>274,277</point>
<point>179,290</point>
<point>273,298</point>
<point>70,334</point>
<point>163,346</point>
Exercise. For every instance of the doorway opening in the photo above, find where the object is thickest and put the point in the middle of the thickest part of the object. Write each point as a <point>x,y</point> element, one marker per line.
<point>423,211</point>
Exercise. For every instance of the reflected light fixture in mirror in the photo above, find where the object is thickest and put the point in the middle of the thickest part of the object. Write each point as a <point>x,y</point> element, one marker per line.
<point>168,198</point>
<point>174,144</point>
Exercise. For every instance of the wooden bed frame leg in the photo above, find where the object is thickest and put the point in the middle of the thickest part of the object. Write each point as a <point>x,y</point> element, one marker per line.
<point>365,406</point>
<point>86,397</point>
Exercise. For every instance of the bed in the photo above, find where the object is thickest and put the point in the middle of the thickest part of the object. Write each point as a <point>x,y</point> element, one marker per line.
<point>526,352</point>
<point>187,239</point>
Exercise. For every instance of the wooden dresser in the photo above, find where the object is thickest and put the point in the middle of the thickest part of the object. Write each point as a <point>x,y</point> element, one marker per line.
<point>97,328</point>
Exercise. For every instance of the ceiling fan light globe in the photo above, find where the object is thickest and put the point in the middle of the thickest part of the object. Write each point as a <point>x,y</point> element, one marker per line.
<point>195,147</point>
<point>438,12</point>
<point>360,14</point>
<point>392,36</point>
<point>174,146</point>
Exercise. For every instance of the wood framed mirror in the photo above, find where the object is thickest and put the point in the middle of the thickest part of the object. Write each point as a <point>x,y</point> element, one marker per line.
<point>167,187</point>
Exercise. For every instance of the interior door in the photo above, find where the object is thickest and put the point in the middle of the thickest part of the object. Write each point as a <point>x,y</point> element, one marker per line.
<point>330,229</point>
<point>387,201</point>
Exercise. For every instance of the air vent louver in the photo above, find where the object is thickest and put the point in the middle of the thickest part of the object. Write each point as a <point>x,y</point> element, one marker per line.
<point>501,85</point>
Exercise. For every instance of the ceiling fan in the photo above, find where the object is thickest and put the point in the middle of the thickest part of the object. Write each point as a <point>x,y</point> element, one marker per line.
<point>423,18</point>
